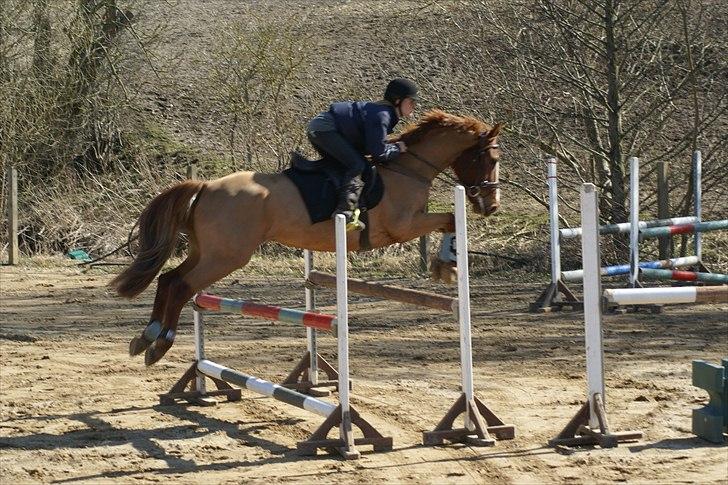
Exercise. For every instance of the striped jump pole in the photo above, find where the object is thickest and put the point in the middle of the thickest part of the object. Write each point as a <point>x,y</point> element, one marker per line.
<point>318,321</point>
<point>684,229</point>
<point>623,269</point>
<point>624,227</point>
<point>661,296</point>
<point>667,274</point>
<point>589,425</point>
<point>266,388</point>
<point>479,420</point>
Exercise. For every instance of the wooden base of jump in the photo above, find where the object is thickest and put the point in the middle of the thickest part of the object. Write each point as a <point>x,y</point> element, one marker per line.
<point>194,396</point>
<point>319,439</point>
<point>578,433</point>
<point>555,297</point>
<point>300,380</point>
<point>484,423</point>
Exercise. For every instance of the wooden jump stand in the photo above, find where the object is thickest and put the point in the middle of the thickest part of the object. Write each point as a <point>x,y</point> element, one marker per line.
<point>343,417</point>
<point>479,420</point>
<point>557,294</point>
<point>590,425</point>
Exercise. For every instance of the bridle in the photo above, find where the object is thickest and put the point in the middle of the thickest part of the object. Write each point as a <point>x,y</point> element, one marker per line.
<point>470,190</point>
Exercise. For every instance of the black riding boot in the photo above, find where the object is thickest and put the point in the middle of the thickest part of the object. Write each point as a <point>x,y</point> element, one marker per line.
<point>349,203</point>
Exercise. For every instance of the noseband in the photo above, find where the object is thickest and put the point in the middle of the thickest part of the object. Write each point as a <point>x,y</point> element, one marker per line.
<point>485,185</point>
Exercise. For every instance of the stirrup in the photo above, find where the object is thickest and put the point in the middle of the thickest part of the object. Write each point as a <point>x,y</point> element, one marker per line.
<point>355,224</point>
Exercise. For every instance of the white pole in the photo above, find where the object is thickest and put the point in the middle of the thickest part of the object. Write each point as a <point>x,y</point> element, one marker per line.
<point>199,348</point>
<point>466,352</point>
<point>342,321</point>
<point>310,332</point>
<point>698,194</point>
<point>591,260</point>
<point>634,219</point>
<point>554,219</point>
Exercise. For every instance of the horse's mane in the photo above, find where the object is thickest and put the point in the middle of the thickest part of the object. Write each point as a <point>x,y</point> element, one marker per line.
<point>436,119</point>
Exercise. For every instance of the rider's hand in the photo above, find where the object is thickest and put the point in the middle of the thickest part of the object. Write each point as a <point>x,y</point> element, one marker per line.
<point>402,147</point>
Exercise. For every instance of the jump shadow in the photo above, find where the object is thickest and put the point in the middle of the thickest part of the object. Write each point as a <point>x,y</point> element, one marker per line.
<point>100,433</point>
<point>687,443</point>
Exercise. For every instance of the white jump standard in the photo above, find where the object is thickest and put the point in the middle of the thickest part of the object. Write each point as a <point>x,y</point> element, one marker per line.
<point>590,426</point>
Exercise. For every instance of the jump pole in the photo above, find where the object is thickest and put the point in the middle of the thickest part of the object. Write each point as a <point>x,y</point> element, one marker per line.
<point>624,227</point>
<point>551,297</point>
<point>479,420</point>
<point>680,294</point>
<point>666,274</point>
<point>696,228</point>
<point>623,269</point>
<point>590,426</point>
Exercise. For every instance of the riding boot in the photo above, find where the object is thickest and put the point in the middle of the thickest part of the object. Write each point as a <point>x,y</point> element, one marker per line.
<point>349,203</point>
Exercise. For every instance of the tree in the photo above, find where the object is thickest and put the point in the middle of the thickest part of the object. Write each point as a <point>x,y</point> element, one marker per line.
<point>596,81</point>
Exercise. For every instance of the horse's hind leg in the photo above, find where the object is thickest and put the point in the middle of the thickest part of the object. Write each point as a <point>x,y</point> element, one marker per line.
<point>181,288</point>
<point>154,327</point>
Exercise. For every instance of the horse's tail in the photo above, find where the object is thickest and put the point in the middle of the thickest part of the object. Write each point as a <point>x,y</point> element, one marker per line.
<point>159,224</point>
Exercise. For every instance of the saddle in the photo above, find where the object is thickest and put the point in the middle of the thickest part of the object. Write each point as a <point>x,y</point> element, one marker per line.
<point>319,182</point>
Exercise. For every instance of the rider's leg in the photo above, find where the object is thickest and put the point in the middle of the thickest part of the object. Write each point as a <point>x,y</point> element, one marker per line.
<point>331,143</point>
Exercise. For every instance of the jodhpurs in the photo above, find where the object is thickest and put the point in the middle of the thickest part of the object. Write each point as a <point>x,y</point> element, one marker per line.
<point>332,144</point>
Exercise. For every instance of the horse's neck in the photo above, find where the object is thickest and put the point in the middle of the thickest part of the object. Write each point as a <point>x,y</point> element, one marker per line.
<point>427,163</point>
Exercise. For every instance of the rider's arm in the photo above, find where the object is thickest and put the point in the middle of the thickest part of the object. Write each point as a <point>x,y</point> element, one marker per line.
<point>375,135</point>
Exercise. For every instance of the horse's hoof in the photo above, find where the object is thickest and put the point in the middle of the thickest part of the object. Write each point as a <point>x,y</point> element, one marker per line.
<point>157,350</point>
<point>138,345</point>
<point>449,273</point>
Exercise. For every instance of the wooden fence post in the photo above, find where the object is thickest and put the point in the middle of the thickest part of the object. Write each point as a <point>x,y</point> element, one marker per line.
<point>192,171</point>
<point>13,251</point>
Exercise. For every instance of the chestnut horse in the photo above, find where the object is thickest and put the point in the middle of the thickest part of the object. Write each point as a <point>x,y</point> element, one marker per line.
<point>229,218</point>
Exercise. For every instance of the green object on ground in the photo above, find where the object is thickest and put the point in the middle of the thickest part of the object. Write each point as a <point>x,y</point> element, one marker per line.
<point>79,255</point>
<point>711,422</point>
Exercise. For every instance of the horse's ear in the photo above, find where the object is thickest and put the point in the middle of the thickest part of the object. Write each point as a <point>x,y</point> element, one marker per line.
<point>495,131</point>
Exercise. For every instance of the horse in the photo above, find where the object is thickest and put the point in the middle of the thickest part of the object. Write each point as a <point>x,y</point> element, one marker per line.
<point>227,219</point>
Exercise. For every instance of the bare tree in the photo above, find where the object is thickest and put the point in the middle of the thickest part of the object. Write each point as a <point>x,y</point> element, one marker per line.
<point>256,67</point>
<point>595,81</point>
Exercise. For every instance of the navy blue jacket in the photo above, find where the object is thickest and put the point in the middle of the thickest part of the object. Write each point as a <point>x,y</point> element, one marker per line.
<point>366,126</point>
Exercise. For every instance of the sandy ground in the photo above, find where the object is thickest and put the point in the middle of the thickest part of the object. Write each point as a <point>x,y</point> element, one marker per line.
<point>75,408</point>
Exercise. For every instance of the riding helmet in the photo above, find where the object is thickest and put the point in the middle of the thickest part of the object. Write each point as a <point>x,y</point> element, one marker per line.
<point>400,88</point>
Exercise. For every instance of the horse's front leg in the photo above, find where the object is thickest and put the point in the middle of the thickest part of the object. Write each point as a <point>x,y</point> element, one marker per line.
<point>424,223</point>
<point>442,267</point>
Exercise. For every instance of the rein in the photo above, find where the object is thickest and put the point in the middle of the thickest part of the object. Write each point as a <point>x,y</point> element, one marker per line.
<point>472,190</point>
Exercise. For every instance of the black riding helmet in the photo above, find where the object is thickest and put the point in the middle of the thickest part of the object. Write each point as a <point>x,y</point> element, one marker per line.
<point>400,88</point>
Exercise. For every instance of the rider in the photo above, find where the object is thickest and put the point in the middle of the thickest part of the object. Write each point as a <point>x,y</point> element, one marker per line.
<point>349,131</point>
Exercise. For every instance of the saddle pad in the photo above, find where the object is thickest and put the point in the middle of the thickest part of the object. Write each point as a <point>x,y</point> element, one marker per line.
<point>320,194</point>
